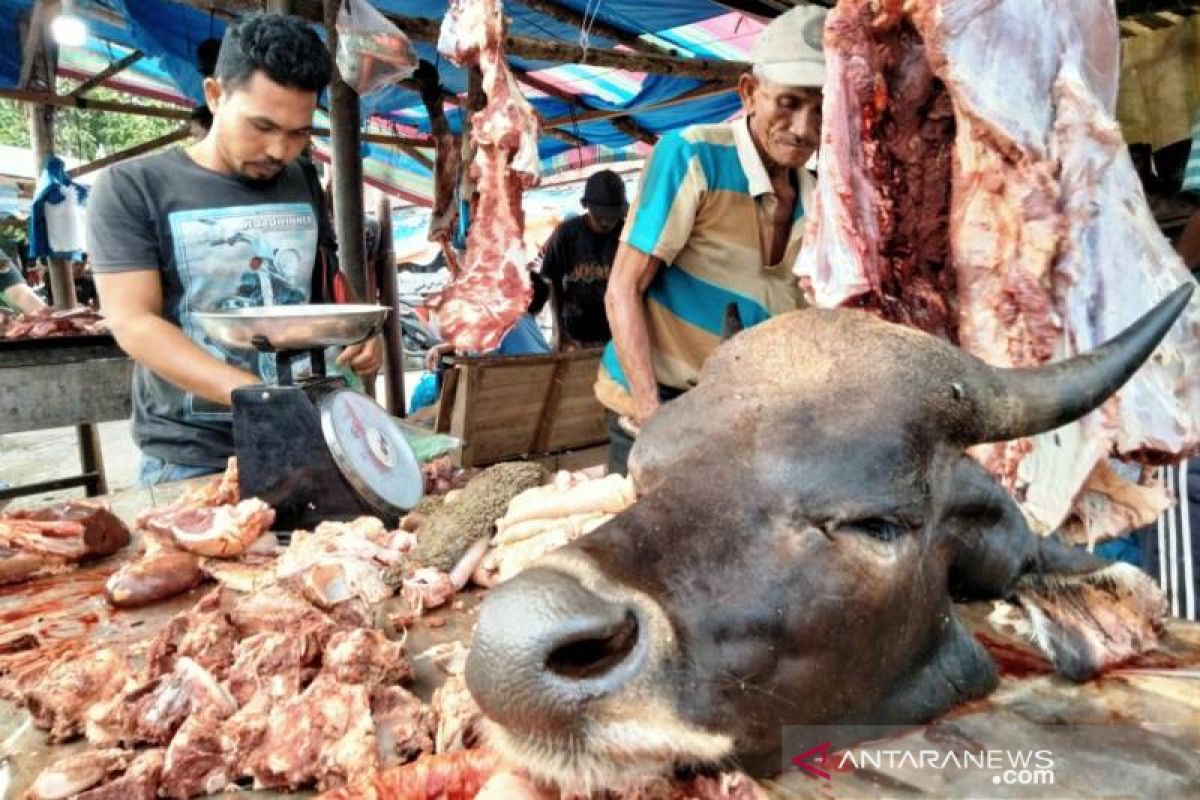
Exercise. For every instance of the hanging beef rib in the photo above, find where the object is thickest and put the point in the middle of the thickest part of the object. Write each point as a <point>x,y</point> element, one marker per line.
<point>487,297</point>
<point>974,183</point>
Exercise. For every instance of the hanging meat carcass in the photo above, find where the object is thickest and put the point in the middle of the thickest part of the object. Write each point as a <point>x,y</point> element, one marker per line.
<point>492,291</point>
<point>975,184</point>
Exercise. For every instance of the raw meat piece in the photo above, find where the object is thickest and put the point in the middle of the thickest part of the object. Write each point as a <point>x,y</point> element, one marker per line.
<point>139,781</point>
<point>340,561</point>
<point>324,735</point>
<point>484,300</point>
<point>243,733</point>
<point>1042,248</point>
<point>221,490</point>
<point>153,577</point>
<point>365,656</point>
<point>404,726</point>
<point>46,541</point>
<point>452,776</point>
<point>78,773</point>
<point>49,323</point>
<point>277,609</point>
<point>459,720</point>
<point>19,565</point>
<point>204,633</point>
<point>151,713</point>
<point>275,663</point>
<point>224,531</point>
<point>196,763</point>
<point>506,785</point>
<point>427,588</point>
<point>58,696</point>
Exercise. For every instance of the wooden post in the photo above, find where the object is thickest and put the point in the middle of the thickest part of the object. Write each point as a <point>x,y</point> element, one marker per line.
<point>346,129</point>
<point>393,337</point>
<point>279,6</point>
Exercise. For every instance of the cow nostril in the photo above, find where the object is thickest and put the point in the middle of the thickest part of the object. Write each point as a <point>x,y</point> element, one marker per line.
<point>594,653</point>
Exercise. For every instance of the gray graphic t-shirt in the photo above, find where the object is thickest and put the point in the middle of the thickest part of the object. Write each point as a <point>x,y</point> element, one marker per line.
<point>221,242</point>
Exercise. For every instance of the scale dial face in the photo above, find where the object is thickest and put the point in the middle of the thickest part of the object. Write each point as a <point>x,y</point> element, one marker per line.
<point>370,450</point>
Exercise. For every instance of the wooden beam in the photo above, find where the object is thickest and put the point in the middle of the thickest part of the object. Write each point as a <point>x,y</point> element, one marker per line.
<point>423,29</point>
<point>393,336</point>
<point>130,152</point>
<point>596,26</point>
<point>100,77</point>
<point>66,101</point>
<point>346,145</point>
<point>182,114</point>
<point>633,130</point>
<point>594,115</point>
<point>34,40</point>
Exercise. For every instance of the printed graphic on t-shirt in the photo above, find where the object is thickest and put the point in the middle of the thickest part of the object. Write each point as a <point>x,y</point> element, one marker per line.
<point>240,257</point>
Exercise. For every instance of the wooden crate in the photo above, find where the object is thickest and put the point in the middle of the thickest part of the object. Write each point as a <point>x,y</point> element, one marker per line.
<point>505,407</point>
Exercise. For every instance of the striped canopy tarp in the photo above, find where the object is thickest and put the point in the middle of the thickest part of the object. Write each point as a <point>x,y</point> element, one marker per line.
<point>167,32</point>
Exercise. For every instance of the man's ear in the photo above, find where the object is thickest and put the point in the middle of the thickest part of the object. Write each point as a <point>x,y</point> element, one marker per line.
<point>747,83</point>
<point>1084,613</point>
<point>213,94</point>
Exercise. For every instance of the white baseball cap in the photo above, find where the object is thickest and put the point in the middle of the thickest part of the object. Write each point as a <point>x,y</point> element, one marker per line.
<point>789,51</point>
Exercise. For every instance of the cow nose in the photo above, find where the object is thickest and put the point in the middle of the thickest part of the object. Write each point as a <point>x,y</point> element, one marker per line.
<point>545,646</point>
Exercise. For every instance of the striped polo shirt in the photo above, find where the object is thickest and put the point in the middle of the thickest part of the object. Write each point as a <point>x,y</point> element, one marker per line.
<point>1191,174</point>
<point>697,210</point>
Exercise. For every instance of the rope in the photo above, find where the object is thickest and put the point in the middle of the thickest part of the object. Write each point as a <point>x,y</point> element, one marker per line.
<point>590,13</point>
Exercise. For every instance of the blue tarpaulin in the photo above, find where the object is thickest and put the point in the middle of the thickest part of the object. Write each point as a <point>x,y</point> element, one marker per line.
<point>169,33</point>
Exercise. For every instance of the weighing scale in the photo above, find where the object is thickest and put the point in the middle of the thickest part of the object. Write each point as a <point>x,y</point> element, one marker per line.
<point>310,447</point>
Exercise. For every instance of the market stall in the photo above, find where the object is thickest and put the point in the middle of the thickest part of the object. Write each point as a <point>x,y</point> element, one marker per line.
<point>346,609</point>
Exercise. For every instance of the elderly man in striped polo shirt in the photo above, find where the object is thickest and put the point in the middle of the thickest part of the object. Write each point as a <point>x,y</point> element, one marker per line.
<point>718,219</point>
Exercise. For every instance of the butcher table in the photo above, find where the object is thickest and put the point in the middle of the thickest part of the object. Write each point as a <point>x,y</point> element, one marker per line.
<point>1134,733</point>
<point>72,605</point>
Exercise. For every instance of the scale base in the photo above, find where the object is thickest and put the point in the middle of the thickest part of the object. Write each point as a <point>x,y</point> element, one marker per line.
<point>284,461</point>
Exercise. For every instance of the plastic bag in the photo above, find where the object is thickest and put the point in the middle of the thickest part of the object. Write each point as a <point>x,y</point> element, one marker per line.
<point>372,53</point>
<point>426,444</point>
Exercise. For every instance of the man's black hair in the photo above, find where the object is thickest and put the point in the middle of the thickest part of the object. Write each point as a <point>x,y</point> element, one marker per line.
<point>541,293</point>
<point>202,117</point>
<point>285,48</point>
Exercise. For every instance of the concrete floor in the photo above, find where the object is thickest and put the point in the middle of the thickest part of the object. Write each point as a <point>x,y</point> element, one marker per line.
<point>45,455</point>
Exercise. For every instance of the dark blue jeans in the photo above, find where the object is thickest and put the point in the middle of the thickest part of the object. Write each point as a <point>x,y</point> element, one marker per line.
<point>154,471</point>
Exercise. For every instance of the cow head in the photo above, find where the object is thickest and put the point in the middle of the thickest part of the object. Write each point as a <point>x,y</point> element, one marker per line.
<point>807,515</point>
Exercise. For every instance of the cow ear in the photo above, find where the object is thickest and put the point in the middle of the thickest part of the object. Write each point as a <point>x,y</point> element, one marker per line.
<point>1083,612</point>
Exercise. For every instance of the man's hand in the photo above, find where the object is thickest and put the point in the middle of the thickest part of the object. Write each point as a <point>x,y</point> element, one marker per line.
<point>645,409</point>
<point>365,358</point>
<point>434,355</point>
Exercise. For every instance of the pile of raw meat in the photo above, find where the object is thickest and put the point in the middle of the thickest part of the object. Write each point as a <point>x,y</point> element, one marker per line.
<point>492,291</point>
<point>263,688</point>
<point>974,183</point>
<point>48,323</point>
<point>47,541</point>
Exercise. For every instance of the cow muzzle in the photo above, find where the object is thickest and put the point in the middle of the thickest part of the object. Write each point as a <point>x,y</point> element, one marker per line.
<point>546,647</point>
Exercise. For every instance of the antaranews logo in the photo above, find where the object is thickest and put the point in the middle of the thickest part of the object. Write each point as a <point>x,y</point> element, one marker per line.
<point>1002,767</point>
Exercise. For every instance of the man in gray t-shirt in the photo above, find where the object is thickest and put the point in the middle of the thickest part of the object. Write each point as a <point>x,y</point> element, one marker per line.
<point>229,222</point>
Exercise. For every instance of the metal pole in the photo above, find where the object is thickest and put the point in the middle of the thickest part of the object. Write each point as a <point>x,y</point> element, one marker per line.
<point>393,338</point>
<point>346,128</point>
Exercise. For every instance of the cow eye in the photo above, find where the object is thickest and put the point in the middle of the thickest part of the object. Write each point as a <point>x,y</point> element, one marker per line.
<point>885,530</point>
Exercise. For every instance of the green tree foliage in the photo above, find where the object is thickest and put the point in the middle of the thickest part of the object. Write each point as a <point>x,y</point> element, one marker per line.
<point>86,135</point>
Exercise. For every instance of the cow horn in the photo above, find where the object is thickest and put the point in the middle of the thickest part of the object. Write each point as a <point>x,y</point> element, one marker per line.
<point>1033,400</point>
